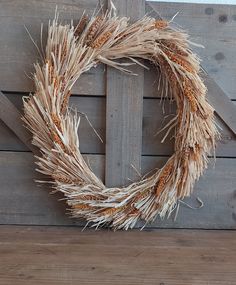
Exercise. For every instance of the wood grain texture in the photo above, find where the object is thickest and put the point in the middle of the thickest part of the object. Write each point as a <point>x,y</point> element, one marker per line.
<point>23,202</point>
<point>64,255</point>
<point>95,108</point>
<point>216,95</point>
<point>222,104</point>
<point>124,113</point>
<point>11,116</point>
<point>17,51</point>
<point>214,29</point>
<point>212,26</point>
<point>26,202</point>
<point>156,115</point>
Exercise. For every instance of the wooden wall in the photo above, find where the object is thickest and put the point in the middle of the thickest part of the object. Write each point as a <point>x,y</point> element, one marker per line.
<point>22,201</point>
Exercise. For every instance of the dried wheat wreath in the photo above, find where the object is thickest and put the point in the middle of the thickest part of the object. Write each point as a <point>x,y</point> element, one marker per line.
<point>70,51</point>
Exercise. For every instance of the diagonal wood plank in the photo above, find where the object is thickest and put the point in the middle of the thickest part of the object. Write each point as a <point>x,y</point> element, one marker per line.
<point>124,113</point>
<point>220,101</point>
<point>11,116</point>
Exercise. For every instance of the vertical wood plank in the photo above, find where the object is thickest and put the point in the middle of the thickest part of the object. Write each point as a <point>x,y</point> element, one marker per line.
<point>124,113</point>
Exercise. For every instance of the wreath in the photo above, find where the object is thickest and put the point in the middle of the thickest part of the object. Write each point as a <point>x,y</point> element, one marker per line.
<point>72,50</point>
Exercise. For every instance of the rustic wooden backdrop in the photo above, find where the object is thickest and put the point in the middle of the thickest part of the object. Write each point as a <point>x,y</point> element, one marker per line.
<point>125,111</point>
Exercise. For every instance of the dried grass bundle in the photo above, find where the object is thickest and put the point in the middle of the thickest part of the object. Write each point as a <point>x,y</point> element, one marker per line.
<point>70,51</point>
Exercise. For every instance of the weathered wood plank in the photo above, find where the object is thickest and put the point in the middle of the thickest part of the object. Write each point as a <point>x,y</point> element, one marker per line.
<point>220,100</point>
<point>153,121</point>
<point>11,116</point>
<point>23,202</point>
<point>64,255</point>
<point>212,26</point>
<point>222,104</point>
<point>216,188</point>
<point>95,108</point>
<point>124,113</point>
<point>17,51</point>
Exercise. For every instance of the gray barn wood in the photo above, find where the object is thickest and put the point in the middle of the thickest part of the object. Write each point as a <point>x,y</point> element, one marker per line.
<point>95,108</point>
<point>97,94</point>
<point>14,121</point>
<point>213,26</point>
<point>124,113</point>
<point>18,52</point>
<point>22,201</point>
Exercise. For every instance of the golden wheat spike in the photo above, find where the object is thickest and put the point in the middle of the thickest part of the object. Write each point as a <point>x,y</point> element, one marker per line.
<point>189,92</point>
<point>81,25</point>
<point>93,30</point>
<point>101,40</point>
<point>160,24</point>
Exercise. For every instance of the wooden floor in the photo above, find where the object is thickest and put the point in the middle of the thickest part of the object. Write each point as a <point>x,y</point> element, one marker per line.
<point>65,255</point>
